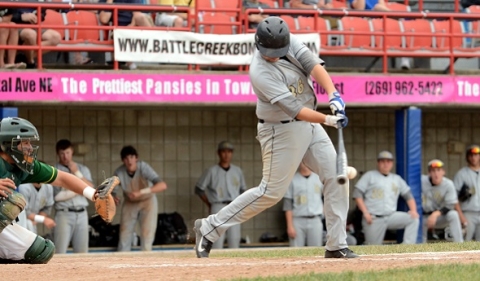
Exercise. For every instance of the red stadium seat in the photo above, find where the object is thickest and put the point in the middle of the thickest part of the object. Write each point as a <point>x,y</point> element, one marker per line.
<point>217,23</point>
<point>307,25</point>
<point>354,40</point>
<point>394,6</point>
<point>55,18</point>
<point>291,22</point>
<point>392,26</point>
<point>442,41</point>
<point>413,41</point>
<point>85,36</point>
<point>271,3</point>
<point>339,4</point>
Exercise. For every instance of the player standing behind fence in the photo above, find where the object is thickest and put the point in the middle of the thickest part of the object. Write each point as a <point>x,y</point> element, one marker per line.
<point>303,208</point>
<point>39,197</point>
<point>439,198</point>
<point>218,186</point>
<point>289,133</point>
<point>139,183</point>
<point>71,214</point>
<point>376,194</point>
<point>467,183</point>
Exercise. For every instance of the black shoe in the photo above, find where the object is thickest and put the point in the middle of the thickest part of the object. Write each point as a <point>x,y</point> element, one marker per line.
<point>202,244</point>
<point>340,254</point>
<point>32,65</point>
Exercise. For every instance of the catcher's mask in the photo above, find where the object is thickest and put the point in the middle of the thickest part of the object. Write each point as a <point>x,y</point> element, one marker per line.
<point>272,37</point>
<point>16,137</point>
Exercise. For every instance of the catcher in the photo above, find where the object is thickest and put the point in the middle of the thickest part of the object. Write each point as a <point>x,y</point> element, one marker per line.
<point>18,165</point>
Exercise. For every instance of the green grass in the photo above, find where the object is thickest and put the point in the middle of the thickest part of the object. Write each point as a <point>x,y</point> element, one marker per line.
<point>361,250</point>
<point>419,273</point>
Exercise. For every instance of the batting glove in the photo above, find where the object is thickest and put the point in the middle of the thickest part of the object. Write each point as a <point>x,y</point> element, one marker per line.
<point>336,104</point>
<point>335,121</point>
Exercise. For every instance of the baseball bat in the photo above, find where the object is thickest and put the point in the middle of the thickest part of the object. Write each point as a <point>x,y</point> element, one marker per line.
<point>341,158</point>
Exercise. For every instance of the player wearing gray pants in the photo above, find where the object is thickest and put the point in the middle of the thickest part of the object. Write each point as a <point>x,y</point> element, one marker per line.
<point>303,208</point>
<point>289,133</point>
<point>376,194</point>
<point>439,197</point>
<point>467,184</point>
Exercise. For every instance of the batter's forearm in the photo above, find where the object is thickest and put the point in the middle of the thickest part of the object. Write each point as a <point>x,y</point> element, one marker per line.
<point>323,79</point>
<point>310,115</point>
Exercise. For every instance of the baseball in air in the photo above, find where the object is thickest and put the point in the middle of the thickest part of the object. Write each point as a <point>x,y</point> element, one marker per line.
<point>351,172</point>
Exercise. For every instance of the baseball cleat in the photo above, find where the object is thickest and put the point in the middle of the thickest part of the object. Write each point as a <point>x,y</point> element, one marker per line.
<point>340,254</point>
<point>202,244</point>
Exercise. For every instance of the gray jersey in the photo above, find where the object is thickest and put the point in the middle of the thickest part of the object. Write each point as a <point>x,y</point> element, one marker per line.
<point>472,179</point>
<point>144,177</point>
<point>38,200</point>
<point>306,194</point>
<point>265,77</point>
<point>439,196</point>
<point>78,200</point>
<point>221,185</point>
<point>381,192</point>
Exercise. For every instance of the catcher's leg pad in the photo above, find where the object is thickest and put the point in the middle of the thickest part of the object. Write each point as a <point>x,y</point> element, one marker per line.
<point>104,203</point>
<point>41,251</point>
<point>10,207</point>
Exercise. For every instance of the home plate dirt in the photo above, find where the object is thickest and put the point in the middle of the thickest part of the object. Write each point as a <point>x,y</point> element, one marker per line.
<point>175,265</point>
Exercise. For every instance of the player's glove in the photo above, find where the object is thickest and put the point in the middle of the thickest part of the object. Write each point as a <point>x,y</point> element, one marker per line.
<point>464,194</point>
<point>336,121</point>
<point>104,202</point>
<point>336,104</point>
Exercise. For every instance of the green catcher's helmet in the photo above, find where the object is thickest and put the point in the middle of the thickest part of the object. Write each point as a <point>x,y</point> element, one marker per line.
<point>16,135</point>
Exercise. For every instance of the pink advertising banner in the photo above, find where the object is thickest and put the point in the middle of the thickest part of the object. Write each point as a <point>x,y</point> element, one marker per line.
<point>218,88</point>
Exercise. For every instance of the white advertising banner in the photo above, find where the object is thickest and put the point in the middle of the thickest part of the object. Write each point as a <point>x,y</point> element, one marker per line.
<point>191,48</point>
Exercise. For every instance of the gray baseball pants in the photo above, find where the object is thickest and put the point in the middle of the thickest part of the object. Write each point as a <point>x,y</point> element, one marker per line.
<point>375,232</point>
<point>452,220</point>
<point>71,226</point>
<point>309,232</point>
<point>233,234</point>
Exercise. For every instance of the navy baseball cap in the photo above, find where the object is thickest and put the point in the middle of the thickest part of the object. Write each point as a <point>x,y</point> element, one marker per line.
<point>225,145</point>
<point>385,155</point>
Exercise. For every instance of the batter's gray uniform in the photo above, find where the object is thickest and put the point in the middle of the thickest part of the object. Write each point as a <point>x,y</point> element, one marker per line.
<point>71,217</point>
<point>221,187</point>
<point>285,142</point>
<point>38,200</point>
<point>144,209</point>
<point>380,194</point>
<point>304,199</point>
<point>440,198</point>
<point>471,207</point>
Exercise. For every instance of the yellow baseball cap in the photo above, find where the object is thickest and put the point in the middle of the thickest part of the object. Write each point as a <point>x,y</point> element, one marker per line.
<point>435,163</point>
<point>385,155</point>
<point>473,149</point>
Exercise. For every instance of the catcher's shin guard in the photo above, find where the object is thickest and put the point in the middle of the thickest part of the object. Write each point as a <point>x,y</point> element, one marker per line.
<point>41,251</point>
<point>10,207</point>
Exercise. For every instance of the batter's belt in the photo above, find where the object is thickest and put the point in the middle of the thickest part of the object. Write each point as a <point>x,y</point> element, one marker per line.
<point>74,210</point>
<point>283,122</point>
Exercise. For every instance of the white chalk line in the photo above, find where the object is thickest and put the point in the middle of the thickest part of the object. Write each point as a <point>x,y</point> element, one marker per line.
<point>317,260</point>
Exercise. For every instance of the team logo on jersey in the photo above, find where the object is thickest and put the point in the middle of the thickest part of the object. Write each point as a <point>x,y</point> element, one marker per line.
<point>317,188</point>
<point>394,189</point>
<point>437,197</point>
<point>235,182</point>
<point>298,90</point>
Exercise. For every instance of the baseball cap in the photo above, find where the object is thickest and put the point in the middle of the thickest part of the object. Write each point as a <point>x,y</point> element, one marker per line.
<point>473,149</point>
<point>385,155</point>
<point>435,163</point>
<point>225,145</point>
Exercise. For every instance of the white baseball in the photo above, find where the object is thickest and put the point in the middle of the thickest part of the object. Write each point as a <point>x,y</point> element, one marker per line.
<point>351,172</point>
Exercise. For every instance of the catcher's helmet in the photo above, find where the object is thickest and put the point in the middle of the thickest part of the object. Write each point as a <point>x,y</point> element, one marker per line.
<point>14,134</point>
<point>272,37</point>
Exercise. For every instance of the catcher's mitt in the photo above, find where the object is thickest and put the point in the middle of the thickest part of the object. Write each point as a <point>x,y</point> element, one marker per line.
<point>10,207</point>
<point>464,194</point>
<point>104,203</point>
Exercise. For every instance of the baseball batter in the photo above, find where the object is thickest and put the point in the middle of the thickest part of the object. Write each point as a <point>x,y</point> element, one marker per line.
<point>39,197</point>
<point>376,194</point>
<point>438,201</point>
<point>467,180</point>
<point>139,184</point>
<point>303,208</point>
<point>18,165</point>
<point>71,214</point>
<point>289,133</point>
<point>217,188</point>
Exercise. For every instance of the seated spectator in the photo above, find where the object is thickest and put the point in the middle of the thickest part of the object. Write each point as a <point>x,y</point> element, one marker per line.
<point>439,199</point>
<point>254,19</point>
<point>9,36</point>
<point>369,5</point>
<point>28,36</point>
<point>174,19</point>
<point>376,194</point>
<point>125,18</point>
<point>310,4</point>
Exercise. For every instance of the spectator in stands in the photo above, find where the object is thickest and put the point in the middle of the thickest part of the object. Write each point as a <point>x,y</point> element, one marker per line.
<point>125,18</point>
<point>175,19</point>
<point>310,4</point>
<point>369,5</point>
<point>9,36</point>
<point>28,36</point>
<point>255,19</point>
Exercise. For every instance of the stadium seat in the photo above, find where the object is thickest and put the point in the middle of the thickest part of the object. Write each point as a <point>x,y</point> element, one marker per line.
<point>217,23</point>
<point>441,41</point>
<point>307,25</point>
<point>291,22</point>
<point>392,26</point>
<point>394,6</point>
<point>84,36</point>
<point>271,3</point>
<point>411,29</point>
<point>472,26</point>
<point>56,18</point>
<point>355,24</point>
<point>339,4</point>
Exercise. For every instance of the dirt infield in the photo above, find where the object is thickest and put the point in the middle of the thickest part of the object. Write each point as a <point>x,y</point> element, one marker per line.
<point>181,265</point>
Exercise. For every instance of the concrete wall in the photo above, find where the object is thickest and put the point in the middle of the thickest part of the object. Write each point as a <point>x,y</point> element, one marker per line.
<point>180,143</point>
